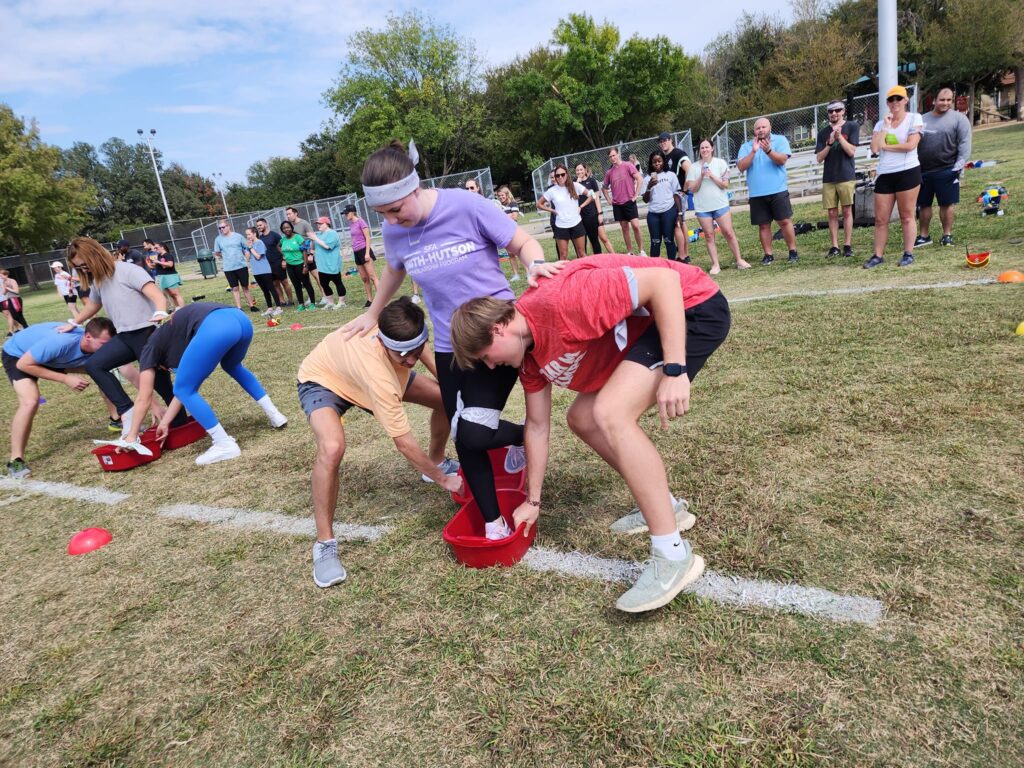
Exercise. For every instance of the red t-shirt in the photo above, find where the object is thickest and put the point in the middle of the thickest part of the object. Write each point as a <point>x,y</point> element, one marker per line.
<point>621,180</point>
<point>573,317</point>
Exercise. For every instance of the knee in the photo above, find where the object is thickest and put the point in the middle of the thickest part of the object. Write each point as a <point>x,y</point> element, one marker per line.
<point>182,390</point>
<point>579,423</point>
<point>473,437</point>
<point>907,219</point>
<point>330,452</point>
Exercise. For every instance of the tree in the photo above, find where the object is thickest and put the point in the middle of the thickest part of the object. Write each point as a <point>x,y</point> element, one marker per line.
<point>37,204</point>
<point>415,79</point>
<point>735,60</point>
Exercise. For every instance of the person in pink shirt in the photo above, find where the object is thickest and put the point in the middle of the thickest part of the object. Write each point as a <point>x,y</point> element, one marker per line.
<point>362,252</point>
<point>627,334</point>
<point>623,181</point>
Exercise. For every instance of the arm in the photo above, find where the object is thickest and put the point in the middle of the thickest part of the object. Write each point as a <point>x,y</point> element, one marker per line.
<point>155,295</point>
<point>531,255</point>
<point>659,289</point>
<point>90,309</point>
<point>638,180</point>
<point>587,199</point>
<point>27,364</point>
<point>390,282</point>
<point>543,205</point>
<point>606,191</point>
<point>143,401</point>
<point>427,358</point>
<point>743,163</point>
<point>847,146</point>
<point>538,426</point>
<point>366,236</point>
<point>408,447</point>
<point>647,191</point>
<point>779,158</point>
<point>963,151</point>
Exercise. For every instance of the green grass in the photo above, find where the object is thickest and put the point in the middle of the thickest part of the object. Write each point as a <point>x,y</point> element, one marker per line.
<point>868,444</point>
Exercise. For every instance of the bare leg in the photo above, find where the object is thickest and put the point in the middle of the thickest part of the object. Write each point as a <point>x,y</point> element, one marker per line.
<point>330,449</point>
<point>425,391</point>
<point>883,210</point>
<point>580,246</point>
<point>682,239</point>
<point>27,391</point>
<point>625,236</point>
<point>906,201</point>
<point>234,295</point>
<point>729,233</point>
<point>788,233</point>
<point>764,234</point>
<point>635,224</point>
<point>707,224</point>
<point>946,214</point>
<point>833,226</point>
<point>563,249</point>
<point>847,225</point>
<point>925,215</point>
<point>606,244</point>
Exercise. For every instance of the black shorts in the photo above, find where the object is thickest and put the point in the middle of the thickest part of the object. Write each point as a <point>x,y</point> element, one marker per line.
<point>943,185</point>
<point>70,299</point>
<point>764,209</point>
<point>237,277</point>
<point>707,325</point>
<point>313,397</point>
<point>14,374</point>
<point>570,233</point>
<point>277,271</point>
<point>626,211</point>
<point>360,256</point>
<point>900,181</point>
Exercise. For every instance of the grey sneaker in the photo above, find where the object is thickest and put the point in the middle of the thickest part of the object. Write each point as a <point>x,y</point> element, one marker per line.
<point>18,469</point>
<point>661,580</point>
<point>515,459</point>
<point>327,567</point>
<point>634,522</point>
<point>448,466</point>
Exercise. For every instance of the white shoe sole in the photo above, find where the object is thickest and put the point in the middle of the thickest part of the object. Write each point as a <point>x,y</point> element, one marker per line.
<point>202,461</point>
<point>695,572</point>
<point>325,585</point>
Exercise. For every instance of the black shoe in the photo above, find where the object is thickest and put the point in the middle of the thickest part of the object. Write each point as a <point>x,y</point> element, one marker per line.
<point>367,305</point>
<point>793,257</point>
<point>847,251</point>
<point>873,262</point>
<point>921,242</point>
<point>253,308</point>
<point>946,240</point>
<point>907,260</point>
<point>768,260</point>
<point>686,260</point>
<point>832,252</point>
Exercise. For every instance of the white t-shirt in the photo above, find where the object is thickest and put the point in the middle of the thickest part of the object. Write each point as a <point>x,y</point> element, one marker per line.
<point>64,284</point>
<point>662,193</point>
<point>710,197</point>
<point>894,162</point>
<point>567,210</point>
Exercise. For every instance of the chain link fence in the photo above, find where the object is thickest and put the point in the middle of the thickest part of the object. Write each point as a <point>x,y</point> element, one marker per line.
<point>597,159</point>
<point>801,125</point>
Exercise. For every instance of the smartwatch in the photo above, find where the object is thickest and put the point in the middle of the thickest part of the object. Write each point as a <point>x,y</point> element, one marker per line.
<point>673,369</point>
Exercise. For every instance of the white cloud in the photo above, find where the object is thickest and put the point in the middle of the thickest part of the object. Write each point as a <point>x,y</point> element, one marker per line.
<point>200,109</point>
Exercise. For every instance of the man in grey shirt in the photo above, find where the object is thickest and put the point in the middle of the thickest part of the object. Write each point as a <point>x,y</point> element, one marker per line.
<point>944,150</point>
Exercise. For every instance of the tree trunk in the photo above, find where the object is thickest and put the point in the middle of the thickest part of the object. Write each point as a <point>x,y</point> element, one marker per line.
<point>1019,92</point>
<point>30,274</point>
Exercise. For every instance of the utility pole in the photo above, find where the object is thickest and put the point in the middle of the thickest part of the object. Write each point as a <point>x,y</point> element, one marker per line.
<point>160,184</point>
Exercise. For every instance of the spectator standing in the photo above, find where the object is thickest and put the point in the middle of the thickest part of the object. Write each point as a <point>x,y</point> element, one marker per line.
<point>231,247</point>
<point>621,188</point>
<point>278,271</point>
<point>65,285</point>
<point>894,140</point>
<point>295,263</point>
<point>305,230</point>
<point>10,302</point>
<point>125,252</point>
<point>835,148</point>
<point>763,159</point>
<point>167,277</point>
<point>593,215</point>
<point>328,262</point>
<point>510,208</point>
<point>662,194</point>
<point>362,252</point>
<point>677,162</point>
<point>708,181</point>
<point>259,263</point>
<point>943,152</point>
<point>563,199</point>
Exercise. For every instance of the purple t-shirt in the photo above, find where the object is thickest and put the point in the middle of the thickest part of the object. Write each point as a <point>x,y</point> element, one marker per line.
<point>453,255</point>
<point>620,179</point>
<point>356,228</point>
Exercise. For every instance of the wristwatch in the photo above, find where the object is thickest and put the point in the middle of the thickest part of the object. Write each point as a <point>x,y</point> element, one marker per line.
<point>673,369</point>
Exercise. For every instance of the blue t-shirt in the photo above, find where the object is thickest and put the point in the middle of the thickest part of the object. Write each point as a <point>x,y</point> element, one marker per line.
<point>329,259</point>
<point>231,248</point>
<point>49,348</point>
<point>764,176</point>
<point>260,266</point>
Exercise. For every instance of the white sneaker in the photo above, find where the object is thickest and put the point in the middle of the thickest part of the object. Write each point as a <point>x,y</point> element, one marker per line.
<point>220,451</point>
<point>278,311</point>
<point>514,279</point>
<point>497,530</point>
<point>277,419</point>
<point>268,312</point>
<point>340,303</point>
<point>325,301</point>
<point>634,522</point>
<point>642,252</point>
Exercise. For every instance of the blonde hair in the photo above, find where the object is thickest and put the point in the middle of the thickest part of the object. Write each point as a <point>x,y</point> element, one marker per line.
<point>99,260</point>
<point>472,327</point>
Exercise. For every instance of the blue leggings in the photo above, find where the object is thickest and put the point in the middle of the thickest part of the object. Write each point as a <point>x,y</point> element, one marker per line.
<point>662,228</point>
<point>223,337</point>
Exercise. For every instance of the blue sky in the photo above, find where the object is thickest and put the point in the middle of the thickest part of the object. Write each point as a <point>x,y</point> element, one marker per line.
<point>228,83</point>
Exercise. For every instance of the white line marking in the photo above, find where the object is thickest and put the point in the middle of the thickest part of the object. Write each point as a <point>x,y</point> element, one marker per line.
<point>864,289</point>
<point>282,328</point>
<point>65,491</point>
<point>12,500</point>
<point>730,590</point>
<point>251,519</point>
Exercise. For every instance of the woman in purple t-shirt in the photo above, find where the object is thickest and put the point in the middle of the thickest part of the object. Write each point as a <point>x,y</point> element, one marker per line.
<point>362,252</point>
<point>447,240</point>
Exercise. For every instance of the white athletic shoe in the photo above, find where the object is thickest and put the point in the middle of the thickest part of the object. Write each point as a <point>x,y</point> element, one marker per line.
<point>642,252</point>
<point>278,311</point>
<point>224,450</point>
<point>268,312</point>
<point>497,530</point>
<point>277,419</point>
<point>325,301</point>
<point>634,522</point>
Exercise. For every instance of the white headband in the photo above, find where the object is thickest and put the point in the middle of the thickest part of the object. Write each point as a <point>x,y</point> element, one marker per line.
<point>404,347</point>
<point>389,193</point>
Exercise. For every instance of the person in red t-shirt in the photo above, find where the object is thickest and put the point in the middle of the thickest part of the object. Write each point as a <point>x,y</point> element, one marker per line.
<point>621,189</point>
<point>626,333</point>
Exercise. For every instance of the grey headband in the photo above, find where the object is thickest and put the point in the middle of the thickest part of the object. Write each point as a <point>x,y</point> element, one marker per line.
<point>386,194</point>
<point>404,347</point>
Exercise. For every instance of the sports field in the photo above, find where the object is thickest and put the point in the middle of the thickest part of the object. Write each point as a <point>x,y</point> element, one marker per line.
<point>867,443</point>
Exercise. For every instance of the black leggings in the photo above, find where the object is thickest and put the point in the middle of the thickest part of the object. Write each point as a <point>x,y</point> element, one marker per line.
<point>326,278</point>
<point>481,387</point>
<point>123,348</point>
<point>13,305</point>
<point>266,284</point>
<point>301,280</point>
<point>590,224</point>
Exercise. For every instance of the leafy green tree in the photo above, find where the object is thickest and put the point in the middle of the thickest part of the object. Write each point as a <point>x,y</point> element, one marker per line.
<point>735,60</point>
<point>38,205</point>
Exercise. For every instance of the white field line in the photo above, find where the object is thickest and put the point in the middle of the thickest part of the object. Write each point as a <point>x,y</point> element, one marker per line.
<point>730,590</point>
<point>248,519</point>
<point>65,491</point>
<point>12,500</point>
<point>282,328</point>
<point>862,290</point>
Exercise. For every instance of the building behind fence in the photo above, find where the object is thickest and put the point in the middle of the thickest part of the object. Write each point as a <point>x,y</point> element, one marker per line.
<point>597,159</point>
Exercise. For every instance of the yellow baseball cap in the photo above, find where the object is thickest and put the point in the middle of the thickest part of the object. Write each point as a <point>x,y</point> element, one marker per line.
<point>897,90</point>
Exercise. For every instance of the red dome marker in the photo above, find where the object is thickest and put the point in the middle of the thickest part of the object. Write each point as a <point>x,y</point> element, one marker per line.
<point>296,326</point>
<point>88,540</point>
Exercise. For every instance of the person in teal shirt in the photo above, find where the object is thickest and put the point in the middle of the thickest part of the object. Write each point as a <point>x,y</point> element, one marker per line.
<point>328,261</point>
<point>231,247</point>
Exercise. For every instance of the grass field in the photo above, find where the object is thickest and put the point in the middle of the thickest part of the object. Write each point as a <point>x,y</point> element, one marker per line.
<point>868,444</point>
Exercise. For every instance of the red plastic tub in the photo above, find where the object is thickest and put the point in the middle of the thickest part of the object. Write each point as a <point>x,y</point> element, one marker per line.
<point>465,535</point>
<point>503,481</point>
<point>112,461</point>
<point>177,437</point>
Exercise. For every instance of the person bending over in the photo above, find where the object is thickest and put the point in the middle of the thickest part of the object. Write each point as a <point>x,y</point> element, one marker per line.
<point>626,333</point>
<point>372,373</point>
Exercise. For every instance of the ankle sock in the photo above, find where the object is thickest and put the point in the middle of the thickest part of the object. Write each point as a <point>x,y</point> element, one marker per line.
<point>670,546</point>
<point>217,433</point>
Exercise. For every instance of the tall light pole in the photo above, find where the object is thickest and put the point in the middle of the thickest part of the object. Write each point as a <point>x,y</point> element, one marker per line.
<point>160,184</point>
<point>888,59</point>
<point>219,181</point>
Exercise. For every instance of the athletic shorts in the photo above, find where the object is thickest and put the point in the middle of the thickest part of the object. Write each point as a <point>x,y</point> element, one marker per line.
<point>707,325</point>
<point>313,397</point>
<point>713,214</point>
<point>360,256</point>
<point>570,233</point>
<point>764,209</point>
<point>900,181</point>
<point>277,271</point>
<point>625,211</point>
<point>70,299</point>
<point>840,193</point>
<point>943,185</point>
<point>237,277</point>
<point>14,374</point>
<point>172,280</point>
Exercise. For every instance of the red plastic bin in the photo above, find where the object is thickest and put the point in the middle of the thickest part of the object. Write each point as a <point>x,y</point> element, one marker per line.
<point>178,437</point>
<point>503,481</point>
<point>112,461</point>
<point>465,534</point>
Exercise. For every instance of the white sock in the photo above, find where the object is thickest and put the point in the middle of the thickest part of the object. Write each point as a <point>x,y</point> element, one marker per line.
<point>217,433</point>
<point>326,541</point>
<point>670,546</point>
<point>268,407</point>
<point>126,421</point>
